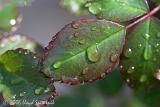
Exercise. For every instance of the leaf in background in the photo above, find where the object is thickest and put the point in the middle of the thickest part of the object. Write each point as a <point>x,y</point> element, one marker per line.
<point>117,10</point>
<point>9,18</point>
<point>75,6</point>
<point>150,96</point>
<point>20,79</point>
<point>140,60</point>
<point>84,50</point>
<point>112,84</point>
<point>12,42</point>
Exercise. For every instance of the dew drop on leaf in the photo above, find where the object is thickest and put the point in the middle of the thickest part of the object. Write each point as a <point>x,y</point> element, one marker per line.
<point>147,52</point>
<point>114,58</point>
<point>57,65</point>
<point>38,91</point>
<point>93,54</point>
<point>75,25</point>
<point>22,94</point>
<point>47,90</point>
<point>95,8</point>
<point>131,70</point>
<point>143,78</point>
<point>128,52</point>
<point>76,34</point>
<point>147,36</point>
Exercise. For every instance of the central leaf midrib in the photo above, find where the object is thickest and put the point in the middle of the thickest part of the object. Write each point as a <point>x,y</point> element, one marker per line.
<point>89,46</point>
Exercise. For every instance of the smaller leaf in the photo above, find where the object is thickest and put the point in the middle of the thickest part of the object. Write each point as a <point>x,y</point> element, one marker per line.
<point>117,10</point>
<point>21,80</point>
<point>12,42</point>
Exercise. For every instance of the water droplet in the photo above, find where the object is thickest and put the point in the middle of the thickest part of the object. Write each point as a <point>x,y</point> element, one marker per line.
<point>76,34</point>
<point>103,75</point>
<point>38,91</point>
<point>88,4</point>
<point>12,22</point>
<point>131,70</point>
<point>47,90</point>
<point>139,45</point>
<point>85,70</point>
<point>1,45</point>
<point>128,80</point>
<point>93,53</point>
<point>93,28</point>
<point>57,65</point>
<point>114,58</point>
<point>158,34</point>
<point>128,52</point>
<point>147,36</point>
<point>147,52</point>
<point>143,78</point>
<point>82,42</point>
<point>95,8</point>
<point>157,74</point>
<point>75,25</point>
<point>22,94</point>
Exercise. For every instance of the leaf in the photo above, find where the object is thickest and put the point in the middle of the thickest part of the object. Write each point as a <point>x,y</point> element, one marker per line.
<point>9,18</point>
<point>112,84</point>
<point>117,10</point>
<point>20,79</point>
<point>84,50</point>
<point>16,2</point>
<point>75,6</point>
<point>12,42</point>
<point>140,60</point>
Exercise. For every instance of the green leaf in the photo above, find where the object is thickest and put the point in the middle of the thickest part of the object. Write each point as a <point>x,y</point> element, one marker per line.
<point>75,6</point>
<point>117,10</point>
<point>84,50</point>
<point>12,42</point>
<point>112,84</point>
<point>15,2</point>
<point>9,18</point>
<point>20,79</point>
<point>140,60</point>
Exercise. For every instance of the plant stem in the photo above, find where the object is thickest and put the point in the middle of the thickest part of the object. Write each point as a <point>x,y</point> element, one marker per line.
<point>151,13</point>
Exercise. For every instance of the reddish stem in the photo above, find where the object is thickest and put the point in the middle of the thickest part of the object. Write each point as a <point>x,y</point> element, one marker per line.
<point>151,13</point>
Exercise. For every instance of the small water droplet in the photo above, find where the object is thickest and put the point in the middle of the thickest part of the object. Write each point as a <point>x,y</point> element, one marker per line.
<point>157,74</point>
<point>147,52</point>
<point>95,8</point>
<point>47,90</point>
<point>85,70</point>
<point>131,70</point>
<point>139,45</point>
<point>147,36</point>
<point>75,25</point>
<point>103,75</point>
<point>12,22</point>
<point>38,91</point>
<point>81,42</point>
<point>143,78</point>
<point>94,28</point>
<point>128,52</point>
<point>114,58</point>
<point>93,53</point>
<point>128,80</point>
<point>22,94</point>
<point>76,34</point>
<point>57,65</point>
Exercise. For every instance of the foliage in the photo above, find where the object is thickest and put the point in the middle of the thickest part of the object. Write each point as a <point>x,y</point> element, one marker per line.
<point>125,37</point>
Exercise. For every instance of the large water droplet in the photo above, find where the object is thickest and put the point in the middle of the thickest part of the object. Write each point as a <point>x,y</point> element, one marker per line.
<point>57,65</point>
<point>131,70</point>
<point>93,53</point>
<point>143,78</point>
<point>114,58</point>
<point>157,74</point>
<point>38,91</point>
<point>147,52</point>
<point>95,8</point>
<point>128,52</point>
